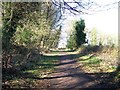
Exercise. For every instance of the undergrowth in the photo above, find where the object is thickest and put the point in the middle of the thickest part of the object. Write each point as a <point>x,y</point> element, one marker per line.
<point>37,67</point>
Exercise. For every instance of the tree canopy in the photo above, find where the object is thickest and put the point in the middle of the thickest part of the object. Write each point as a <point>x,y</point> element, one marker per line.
<point>29,25</point>
<point>26,23</point>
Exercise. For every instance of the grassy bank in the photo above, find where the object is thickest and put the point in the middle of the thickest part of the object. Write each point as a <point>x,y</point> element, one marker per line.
<point>28,76</point>
<point>101,60</point>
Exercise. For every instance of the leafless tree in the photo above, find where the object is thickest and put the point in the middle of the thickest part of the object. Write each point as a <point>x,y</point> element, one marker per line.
<point>83,6</point>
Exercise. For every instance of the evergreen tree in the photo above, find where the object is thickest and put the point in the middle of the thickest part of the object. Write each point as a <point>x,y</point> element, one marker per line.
<point>80,35</point>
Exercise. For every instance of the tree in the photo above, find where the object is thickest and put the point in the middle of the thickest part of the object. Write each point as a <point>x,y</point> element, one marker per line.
<point>29,24</point>
<point>83,6</point>
<point>94,36</point>
<point>71,42</point>
<point>78,36</point>
<point>79,33</point>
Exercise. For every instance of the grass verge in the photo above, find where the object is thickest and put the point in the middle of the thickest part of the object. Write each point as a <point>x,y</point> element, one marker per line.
<point>30,74</point>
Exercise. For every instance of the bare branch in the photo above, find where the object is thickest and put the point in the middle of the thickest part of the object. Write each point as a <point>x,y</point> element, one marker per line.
<point>82,6</point>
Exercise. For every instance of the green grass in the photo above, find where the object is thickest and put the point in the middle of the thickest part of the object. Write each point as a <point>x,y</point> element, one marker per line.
<point>39,67</point>
<point>88,60</point>
<point>94,64</point>
<point>85,57</point>
<point>42,66</point>
<point>90,63</point>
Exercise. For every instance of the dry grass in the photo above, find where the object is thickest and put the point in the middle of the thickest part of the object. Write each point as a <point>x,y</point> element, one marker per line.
<point>108,57</point>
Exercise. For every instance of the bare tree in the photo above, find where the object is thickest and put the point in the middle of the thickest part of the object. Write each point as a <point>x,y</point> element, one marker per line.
<point>83,6</point>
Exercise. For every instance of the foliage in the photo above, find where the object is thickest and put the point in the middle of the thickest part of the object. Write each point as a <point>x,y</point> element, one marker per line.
<point>79,32</point>
<point>38,67</point>
<point>94,36</point>
<point>99,58</point>
<point>40,18</point>
<point>78,36</point>
<point>71,43</point>
<point>29,25</point>
<point>100,38</point>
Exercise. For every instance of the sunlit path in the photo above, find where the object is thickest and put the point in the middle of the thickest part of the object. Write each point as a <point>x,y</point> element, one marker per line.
<point>50,44</point>
<point>68,74</point>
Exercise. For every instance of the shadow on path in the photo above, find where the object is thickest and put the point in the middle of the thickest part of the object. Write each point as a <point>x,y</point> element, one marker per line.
<point>68,74</point>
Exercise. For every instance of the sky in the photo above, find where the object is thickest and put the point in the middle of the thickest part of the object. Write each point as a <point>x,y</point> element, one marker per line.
<point>104,21</point>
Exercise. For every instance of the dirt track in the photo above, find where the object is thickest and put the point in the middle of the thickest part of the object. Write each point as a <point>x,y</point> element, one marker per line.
<point>68,74</point>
